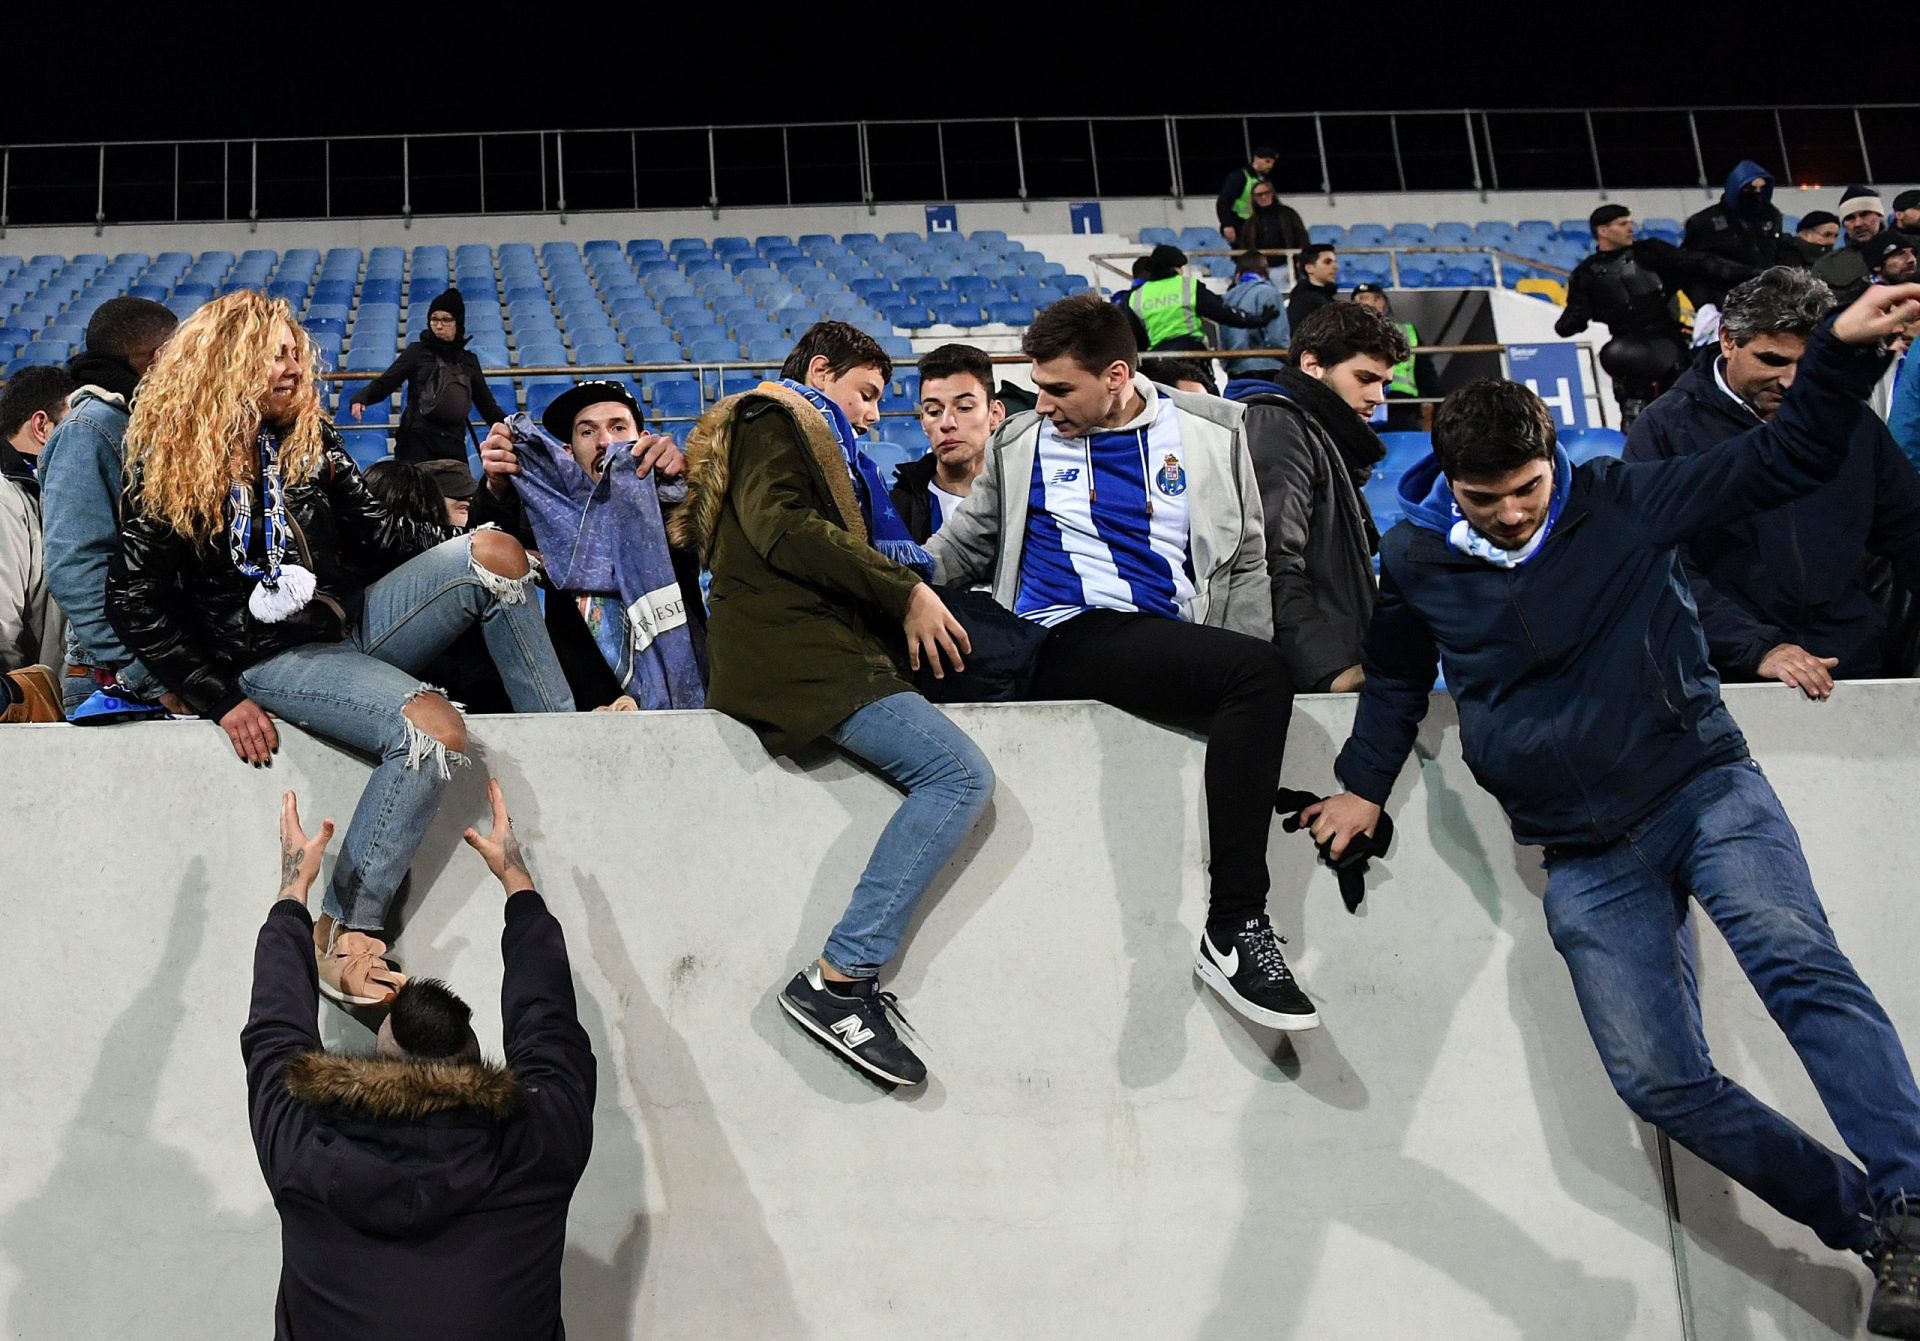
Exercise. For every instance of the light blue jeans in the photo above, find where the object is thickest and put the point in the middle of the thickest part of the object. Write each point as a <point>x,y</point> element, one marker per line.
<point>948,783</point>
<point>354,692</point>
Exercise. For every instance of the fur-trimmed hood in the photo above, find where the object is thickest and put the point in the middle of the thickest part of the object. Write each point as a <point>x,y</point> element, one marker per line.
<point>376,1087</point>
<point>709,468</point>
<point>401,1149</point>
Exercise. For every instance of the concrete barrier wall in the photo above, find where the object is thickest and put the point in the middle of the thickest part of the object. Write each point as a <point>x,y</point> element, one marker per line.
<point>1103,1151</point>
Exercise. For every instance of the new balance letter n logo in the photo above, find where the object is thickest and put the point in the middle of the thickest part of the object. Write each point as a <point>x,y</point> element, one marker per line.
<point>851,1031</point>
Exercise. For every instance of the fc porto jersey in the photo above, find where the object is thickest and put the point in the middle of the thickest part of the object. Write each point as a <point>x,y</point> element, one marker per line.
<point>1107,523</point>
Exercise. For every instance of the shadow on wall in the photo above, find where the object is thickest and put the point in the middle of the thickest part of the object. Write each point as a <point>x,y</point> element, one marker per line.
<point>171,1241</point>
<point>679,1116</point>
<point>1394,1197</point>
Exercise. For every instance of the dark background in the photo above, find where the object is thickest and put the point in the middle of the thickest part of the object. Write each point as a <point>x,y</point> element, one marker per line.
<point>344,71</point>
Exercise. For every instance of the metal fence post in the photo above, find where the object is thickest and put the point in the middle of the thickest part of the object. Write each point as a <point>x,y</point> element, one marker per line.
<point>226,177</point>
<point>1093,158</point>
<point>713,176</point>
<point>1593,147</point>
<point>1399,167</point>
<point>6,182</point>
<point>1859,130</point>
<point>100,196</point>
<point>1020,165</point>
<point>940,147</point>
<point>560,172</point>
<point>253,185</point>
<point>1326,177</point>
<point>1173,167</point>
<point>786,163</point>
<point>866,167</point>
<point>543,171</point>
<point>480,145</point>
<point>176,181</point>
<point>1493,159</point>
<point>1473,149</point>
<point>326,181</point>
<point>406,181</point>
<point>1699,159</point>
<point>633,164</point>
<point>1780,135</point>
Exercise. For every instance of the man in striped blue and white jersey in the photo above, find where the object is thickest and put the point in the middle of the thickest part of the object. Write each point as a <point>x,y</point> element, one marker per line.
<point>1125,518</point>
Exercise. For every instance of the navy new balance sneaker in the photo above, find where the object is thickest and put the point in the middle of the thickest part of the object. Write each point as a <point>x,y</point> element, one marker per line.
<point>852,1020</point>
<point>1250,974</point>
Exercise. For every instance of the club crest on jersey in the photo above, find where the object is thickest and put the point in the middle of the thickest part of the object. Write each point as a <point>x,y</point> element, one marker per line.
<point>1172,479</point>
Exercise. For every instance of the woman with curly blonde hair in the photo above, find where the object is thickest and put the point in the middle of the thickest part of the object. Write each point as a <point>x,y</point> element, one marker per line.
<point>245,522</point>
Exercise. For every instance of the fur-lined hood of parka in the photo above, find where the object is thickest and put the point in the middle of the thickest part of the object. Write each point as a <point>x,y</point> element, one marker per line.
<point>709,468</point>
<point>377,1087</point>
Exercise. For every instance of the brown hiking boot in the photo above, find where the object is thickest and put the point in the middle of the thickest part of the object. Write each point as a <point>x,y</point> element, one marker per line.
<point>40,697</point>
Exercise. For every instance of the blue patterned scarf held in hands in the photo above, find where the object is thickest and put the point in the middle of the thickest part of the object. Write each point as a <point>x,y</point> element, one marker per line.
<point>890,535</point>
<point>606,543</point>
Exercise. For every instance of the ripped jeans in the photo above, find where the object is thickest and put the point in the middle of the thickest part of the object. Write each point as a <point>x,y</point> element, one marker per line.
<point>354,692</point>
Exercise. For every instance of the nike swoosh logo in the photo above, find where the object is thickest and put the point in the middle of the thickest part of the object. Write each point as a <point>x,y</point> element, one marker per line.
<point>1229,962</point>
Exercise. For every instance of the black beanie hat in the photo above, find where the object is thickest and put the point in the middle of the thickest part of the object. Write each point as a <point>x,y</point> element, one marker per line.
<point>455,306</point>
<point>1605,215</point>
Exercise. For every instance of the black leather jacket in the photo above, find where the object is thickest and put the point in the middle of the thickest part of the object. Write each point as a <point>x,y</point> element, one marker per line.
<point>181,606</point>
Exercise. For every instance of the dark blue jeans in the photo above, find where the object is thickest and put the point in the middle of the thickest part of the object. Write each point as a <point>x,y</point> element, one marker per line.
<point>1618,916</point>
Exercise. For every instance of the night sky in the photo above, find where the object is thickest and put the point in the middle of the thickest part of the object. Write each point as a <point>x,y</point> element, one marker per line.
<point>315,70</point>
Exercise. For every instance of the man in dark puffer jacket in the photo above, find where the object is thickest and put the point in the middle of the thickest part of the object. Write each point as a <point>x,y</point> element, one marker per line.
<point>422,1192</point>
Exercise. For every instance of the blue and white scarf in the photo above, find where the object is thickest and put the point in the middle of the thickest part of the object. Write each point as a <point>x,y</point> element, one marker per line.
<point>280,588</point>
<point>890,535</point>
<point>1464,538</point>
<point>605,541</point>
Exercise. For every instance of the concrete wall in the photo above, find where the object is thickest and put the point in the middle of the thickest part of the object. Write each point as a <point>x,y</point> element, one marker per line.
<point>1103,1151</point>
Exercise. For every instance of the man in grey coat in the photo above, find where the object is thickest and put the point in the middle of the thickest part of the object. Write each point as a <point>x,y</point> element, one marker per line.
<point>1312,452</point>
<point>1124,519</point>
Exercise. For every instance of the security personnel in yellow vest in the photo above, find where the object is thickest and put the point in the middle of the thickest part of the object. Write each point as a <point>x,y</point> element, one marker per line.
<point>1235,203</point>
<point>1166,308</point>
<point>1402,384</point>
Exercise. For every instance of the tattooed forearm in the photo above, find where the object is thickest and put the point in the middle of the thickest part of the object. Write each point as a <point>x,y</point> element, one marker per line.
<point>289,867</point>
<point>512,857</point>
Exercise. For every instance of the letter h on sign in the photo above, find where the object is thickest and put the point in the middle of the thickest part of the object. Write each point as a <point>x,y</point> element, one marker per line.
<point>1552,372</point>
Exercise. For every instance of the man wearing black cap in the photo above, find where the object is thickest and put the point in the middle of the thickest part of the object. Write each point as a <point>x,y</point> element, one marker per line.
<point>1906,211</point>
<point>1889,257</point>
<point>1235,203</point>
<point>444,387</point>
<point>1166,308</point>
<point>1818,231</point>
<point>1628,285</point>
<point>593,419</point>
<point>1862,215</point>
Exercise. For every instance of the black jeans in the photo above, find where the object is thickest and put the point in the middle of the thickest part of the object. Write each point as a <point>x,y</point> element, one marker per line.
<point>1235,687</point>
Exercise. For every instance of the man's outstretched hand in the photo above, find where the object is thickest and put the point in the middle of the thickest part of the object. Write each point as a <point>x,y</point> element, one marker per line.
<point>299,855</point>
<point>1883,312</point>
<point>501,847</point>
<point>1339,819</point>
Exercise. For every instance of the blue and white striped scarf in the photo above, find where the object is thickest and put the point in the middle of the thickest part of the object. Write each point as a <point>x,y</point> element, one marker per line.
<point>889,534</point>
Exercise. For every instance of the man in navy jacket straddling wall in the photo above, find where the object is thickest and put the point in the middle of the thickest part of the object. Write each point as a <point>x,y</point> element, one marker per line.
<point>1783,594</point>
<point>1555,600</point>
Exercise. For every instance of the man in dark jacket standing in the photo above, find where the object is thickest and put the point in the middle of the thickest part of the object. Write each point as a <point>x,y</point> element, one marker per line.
<point>1272,226</point>
<point>1234,206</point>
<point>1782,594</point>
<point>1743,227</point>
<point>1555,600</point>
<point>1628,284</point>
<point>1312,452</point>
<point>422,1192</point>
<point>444,386</point>
<point>1316,282</point>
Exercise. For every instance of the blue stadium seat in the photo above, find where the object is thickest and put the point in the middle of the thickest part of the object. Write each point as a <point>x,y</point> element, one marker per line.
<point>1584,444</point>
<point>1155,237</point>
<point>1011,312</point>
<point>908,316</point>
<point>1403,450</point>
<point>713,350</point>
<point>677,399</point>
<point>543,391</point>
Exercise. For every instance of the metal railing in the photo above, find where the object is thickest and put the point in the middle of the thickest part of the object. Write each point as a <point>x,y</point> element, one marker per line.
<point>1111,261</point>
<point>559,171</point>
<point>700,370</point>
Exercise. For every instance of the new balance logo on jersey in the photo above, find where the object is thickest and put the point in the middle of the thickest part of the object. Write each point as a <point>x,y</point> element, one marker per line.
<point>851,1031</point>
<point>1065,475</point>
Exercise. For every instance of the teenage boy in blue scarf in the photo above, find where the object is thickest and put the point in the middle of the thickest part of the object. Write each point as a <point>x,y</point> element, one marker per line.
<point>1554,598</point>
<point>820,613</point>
